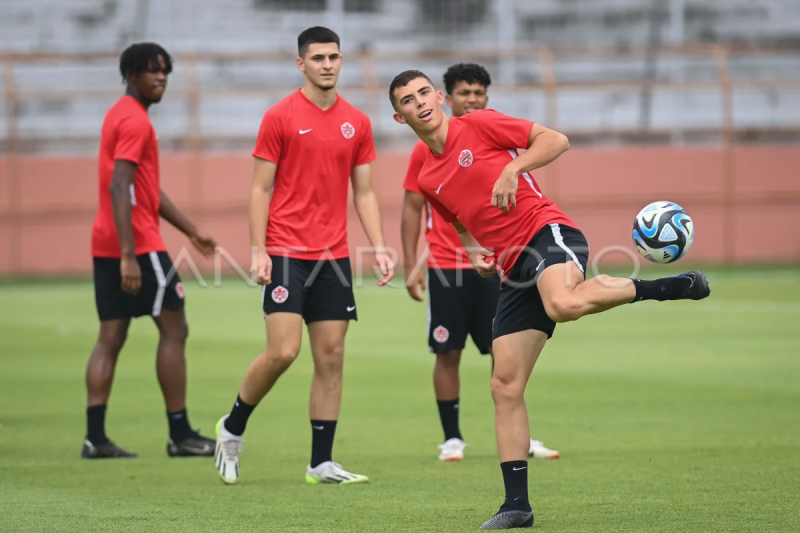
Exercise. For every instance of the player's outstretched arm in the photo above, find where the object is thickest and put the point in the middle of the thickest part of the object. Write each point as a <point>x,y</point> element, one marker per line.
<point>201,240</point>
<point>481,258</point>
<point>369,213</point>
<point>544,146</point>
<point>120,190</point>
<point>260,194</point>
<point>410,223</point>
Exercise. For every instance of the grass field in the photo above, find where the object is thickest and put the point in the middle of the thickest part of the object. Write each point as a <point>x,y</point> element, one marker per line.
<point>669,417</point>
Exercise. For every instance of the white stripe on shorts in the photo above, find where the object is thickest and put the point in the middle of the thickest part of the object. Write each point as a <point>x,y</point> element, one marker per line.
<point>162,283</point>
<point>560,242</point>
<point>428,281</point>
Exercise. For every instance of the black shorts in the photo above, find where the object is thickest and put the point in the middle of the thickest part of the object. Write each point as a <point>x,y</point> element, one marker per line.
<point>317,290</point>
<point>520,306</point>
<point>460,303</point>
<point>161,288</point>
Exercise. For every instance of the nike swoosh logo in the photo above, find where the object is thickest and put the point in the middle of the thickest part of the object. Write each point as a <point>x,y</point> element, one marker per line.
<point>540,265</point>
<point>351,308</point>
<point>318,427</point>
<point>440,187</point>
<point>303,132</point>
<point>520,468</point>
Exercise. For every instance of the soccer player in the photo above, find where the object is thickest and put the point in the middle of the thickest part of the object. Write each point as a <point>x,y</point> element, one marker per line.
<point>310,145</point>
<point>461,301</point>
<point>133,274</point>
<point>476,179</point>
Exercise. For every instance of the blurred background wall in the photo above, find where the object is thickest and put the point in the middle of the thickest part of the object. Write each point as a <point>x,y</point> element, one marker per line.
<point>693,101</point>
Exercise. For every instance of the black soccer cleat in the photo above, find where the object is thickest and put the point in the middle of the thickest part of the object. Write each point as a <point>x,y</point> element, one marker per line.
<point>509,520</point>
<point>698,286</point>
<point>194,446</point>
<point>107,450</point>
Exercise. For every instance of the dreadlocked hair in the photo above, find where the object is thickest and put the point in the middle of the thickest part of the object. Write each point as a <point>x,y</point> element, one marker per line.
<point>142,57</point>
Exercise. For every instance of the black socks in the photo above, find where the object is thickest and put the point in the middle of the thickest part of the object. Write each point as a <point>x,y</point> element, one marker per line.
<point>448,413</point>
<point>179,428</point>
<point>237,420</point>
<point>96,424</point>
<point>322,432</point>
<point>515,478</point>
<point>662,289</point>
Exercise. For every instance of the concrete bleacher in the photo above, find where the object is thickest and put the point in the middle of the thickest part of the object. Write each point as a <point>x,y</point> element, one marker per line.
<point>400,32</point>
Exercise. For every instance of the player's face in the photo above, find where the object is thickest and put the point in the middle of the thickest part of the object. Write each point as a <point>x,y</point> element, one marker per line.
<point>467,97</point>
<point>152,83</point>
<point>321,64</point>
<point>419,105</point>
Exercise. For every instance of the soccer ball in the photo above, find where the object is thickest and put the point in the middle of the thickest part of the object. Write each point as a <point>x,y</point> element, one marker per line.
<point>663,232</point>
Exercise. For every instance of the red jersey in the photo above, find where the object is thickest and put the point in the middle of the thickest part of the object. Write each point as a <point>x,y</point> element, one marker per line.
<point>458,183</point>
<point>315,151</point>
<point>129,135</point>
<point>445,249</point>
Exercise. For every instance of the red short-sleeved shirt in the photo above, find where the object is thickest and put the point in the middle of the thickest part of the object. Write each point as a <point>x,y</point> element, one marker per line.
<point>444,245</point>
<point>458,183</point>
<point>315,151</point>
<point>129,135</point>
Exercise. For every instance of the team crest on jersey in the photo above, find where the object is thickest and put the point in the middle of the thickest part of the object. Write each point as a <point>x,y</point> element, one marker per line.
<point>280,294</point>
<point>465,158</point>
<point>180,291</point>
<point>440,334</point>
<point>348,130</point>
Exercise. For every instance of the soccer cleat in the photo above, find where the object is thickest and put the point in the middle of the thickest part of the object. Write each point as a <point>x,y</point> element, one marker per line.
<point>107,450</point>
<point>698,287</point>
<point>538,450</point>
<point>226,455</point>
<point>509,520</point>
<point>194,446</point>
<point>452,450</point>
<point>330,472</point>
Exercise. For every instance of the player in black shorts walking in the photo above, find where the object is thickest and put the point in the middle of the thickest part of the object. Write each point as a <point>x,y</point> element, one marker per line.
<point>133,274</point>
<point>461,302</point>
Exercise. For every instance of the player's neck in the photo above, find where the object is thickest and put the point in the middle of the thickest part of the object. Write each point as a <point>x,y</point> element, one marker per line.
<point>322,98</point>
<point>136,95</point>
<point>436,139</point>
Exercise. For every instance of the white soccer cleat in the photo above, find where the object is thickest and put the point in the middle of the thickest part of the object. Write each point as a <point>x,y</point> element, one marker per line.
<point>540,451</point>
<point>330,472</point>
<point>226,454</point>
<point>452,450</point>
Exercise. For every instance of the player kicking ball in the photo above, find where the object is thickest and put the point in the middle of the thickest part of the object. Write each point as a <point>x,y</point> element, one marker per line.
<point>461,301</point>
<point>311,146</point>
<point>475,178</point>
<point>133,274</point>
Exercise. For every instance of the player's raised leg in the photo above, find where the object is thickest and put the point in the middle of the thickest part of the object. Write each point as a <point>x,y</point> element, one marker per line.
<point>284,335</point>
<point>99,378</point>
<point>327,347</point>
<point>515,356</point>
<point>171,369</point>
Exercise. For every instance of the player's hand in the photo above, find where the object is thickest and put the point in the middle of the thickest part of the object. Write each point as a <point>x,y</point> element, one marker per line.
<point>204,242</point>
<point>131,275</point>
<point>504,193</point>
<point>261,268</point>
<point>415,284</point>
<point>484,262</point>
<point>386,265</point>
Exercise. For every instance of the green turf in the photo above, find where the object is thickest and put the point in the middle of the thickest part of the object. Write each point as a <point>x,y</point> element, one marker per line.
<point>669,417</point>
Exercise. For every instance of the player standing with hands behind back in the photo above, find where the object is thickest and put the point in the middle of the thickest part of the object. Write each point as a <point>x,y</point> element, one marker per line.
<point>310,145</point>
<point>131,264</point>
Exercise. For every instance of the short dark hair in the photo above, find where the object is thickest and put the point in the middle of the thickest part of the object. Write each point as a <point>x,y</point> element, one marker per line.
<point>468,72</point>
<point>142,57</point>
<point>315,35</point>
<point>403,79</point>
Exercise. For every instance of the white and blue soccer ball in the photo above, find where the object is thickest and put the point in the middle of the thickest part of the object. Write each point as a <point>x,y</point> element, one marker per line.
<point>663,232</point>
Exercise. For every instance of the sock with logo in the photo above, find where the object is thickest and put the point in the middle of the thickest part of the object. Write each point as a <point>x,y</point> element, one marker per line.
<point>179,428</point>
<point>661,289</point>
<point>515,478</point>
<point>322,432</point>
<point>96,424</point>
<point>448,413</point>
<point>237,420</point>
